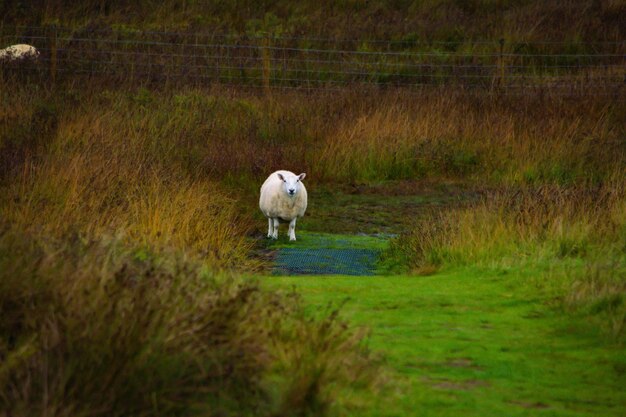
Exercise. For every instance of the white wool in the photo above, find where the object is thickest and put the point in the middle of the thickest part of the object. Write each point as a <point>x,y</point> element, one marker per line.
<point>18,52</point>
<point>275,202</point>
<point>278,206</point>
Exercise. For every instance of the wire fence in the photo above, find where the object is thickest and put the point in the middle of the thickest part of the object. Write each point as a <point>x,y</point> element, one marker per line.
<point>316,63</point>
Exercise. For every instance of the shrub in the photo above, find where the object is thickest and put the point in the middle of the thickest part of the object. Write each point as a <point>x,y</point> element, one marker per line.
<point>95,328</point>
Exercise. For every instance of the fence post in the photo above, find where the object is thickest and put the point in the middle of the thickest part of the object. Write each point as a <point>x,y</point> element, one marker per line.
<point>53,52</point>
<point>265,53</point>
<point>501,62</point>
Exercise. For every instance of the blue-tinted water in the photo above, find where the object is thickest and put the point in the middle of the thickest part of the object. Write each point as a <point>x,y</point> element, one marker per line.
<point>325,261</point>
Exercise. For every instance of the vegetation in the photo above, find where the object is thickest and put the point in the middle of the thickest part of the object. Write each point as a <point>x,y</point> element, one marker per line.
<point>217,134</point>
<point>94,327</point>
<point>129,226</point>
<point>477,341</point>
<point>116,166</point>
<point>577,233</point>
<point>112,242</point>
<point>513,140</point>
<point>480,44</point>
<point>456,22</point>
<point>536,224</point>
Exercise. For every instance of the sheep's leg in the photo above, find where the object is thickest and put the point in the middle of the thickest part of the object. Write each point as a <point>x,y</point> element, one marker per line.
<point>292,230</point>
<point>270,227</point>
<point>275,231</point>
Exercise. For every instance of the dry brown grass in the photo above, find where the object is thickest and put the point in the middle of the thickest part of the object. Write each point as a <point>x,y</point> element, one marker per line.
<point>528,225</point>
<point>115,171</point>
<point>181,168</point>
<point>117,208</point>
<point>177,171</point>
<point>507,140</point>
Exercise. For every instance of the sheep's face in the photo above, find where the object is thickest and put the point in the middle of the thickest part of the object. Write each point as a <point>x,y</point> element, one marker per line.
<point>291,183</point>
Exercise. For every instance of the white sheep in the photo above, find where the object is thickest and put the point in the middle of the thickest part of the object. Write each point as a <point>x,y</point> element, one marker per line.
<point>18,53</point>
<point>283,199</point>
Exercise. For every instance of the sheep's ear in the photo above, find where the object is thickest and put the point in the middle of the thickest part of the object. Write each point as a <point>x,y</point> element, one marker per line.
<point>281,177</point>
<point>301,176</point>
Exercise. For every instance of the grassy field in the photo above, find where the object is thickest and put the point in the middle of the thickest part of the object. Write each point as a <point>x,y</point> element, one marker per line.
<point>134,270</point>
<point>476,342</point>
<point>513,304</point>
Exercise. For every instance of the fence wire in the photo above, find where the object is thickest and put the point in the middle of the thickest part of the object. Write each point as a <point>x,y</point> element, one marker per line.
<point>316,63</point>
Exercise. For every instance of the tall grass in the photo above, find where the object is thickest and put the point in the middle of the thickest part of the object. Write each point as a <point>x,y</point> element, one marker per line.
<point>523,225</point>
<point>117,169</point>
<point>517,140</point>
<point>574,237</point>
<point>97,328</point>
<point>181,167</point>
<point>123,210</point>
<point>220,134</point>
<point>118,209</point>
<point>597,290</point>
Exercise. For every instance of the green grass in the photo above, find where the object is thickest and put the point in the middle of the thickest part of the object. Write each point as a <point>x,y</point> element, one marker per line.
<point>366,209</point>
<point>580,231</point>
<point>366,215</point>
<point>476,342</point>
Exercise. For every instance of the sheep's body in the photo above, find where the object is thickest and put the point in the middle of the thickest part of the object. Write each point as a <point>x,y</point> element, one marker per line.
<point>283,199</point>
<point>18,52</point>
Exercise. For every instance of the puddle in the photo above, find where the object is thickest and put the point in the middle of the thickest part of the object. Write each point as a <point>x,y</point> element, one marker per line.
<point>328,254</point>
<point>326,261</point>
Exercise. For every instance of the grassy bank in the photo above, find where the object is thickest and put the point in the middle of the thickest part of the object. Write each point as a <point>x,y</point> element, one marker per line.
<point>575,234</point>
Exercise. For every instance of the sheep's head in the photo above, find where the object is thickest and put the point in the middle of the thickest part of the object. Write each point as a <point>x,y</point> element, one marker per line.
<point>291,183</point>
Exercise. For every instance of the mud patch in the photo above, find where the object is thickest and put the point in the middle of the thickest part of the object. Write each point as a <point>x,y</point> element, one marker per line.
<point>530,405</point>
<point>456,385</point>
<point>462,363</point>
